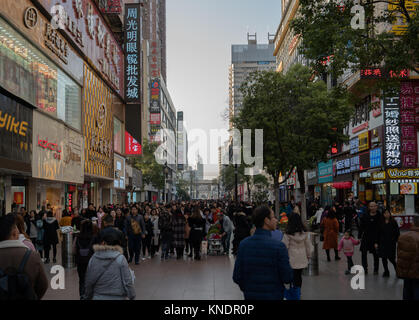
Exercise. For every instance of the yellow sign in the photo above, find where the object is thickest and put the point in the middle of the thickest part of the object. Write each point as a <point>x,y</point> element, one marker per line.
<point>400,25</point>
<point>379,175</point>
<point>364,141</point>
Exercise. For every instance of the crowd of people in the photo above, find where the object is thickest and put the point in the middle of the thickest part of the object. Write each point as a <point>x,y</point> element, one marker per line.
<point>269,263</point>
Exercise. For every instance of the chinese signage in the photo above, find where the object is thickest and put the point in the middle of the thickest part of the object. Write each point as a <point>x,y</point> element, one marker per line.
<point>325,170</point>
<point>58,152</point>
<point>400,25</point>
<point>348,165</point>
<point>364,141</point>
<point>154,118</point>
<point>110,6</point>
<point>132,26</point>
<point>155,96</point>
<point>15,130</point>
<point>409,100</point>
<point>85,26</point>
<point>354,145</point>
<point>132,147</point>
<point>379,175</point>
<point>379,73</point>
<point>375,158</point>
<point>392,143</point>
<point>403,174</point>
<point>56,43</point>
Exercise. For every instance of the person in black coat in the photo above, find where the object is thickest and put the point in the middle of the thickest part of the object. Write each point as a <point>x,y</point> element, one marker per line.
<point>50,236</point>
<point>120,220</point>
<point>146,242</point>
<point>242,229</point>
<point>348,212</point>
<point>369,235</point>
<point>388,236</point>
<point>197,233</point>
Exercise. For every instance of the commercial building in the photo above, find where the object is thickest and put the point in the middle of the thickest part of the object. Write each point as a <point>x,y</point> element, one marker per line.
<point>182,143</point>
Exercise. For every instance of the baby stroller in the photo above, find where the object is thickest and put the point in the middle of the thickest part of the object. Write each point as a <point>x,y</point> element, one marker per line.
<point>215,246</point>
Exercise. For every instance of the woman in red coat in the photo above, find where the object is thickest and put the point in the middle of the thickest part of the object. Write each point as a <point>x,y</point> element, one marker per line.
<point>331,233</point>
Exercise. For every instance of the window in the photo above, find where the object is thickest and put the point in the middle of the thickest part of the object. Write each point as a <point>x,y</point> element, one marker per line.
<point>117,135</point>
<point>29,74</point>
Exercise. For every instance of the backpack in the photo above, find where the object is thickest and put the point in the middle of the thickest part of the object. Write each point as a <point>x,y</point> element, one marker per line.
<point>135,226</point>
<point>15,284</point>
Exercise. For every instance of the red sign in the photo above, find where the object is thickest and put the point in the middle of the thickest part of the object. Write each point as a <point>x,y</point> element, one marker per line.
<point>154,118</point>
<point>378,73</point>
<point>84,24</point>
<point>18,197</point>
<point>45,144</point>
<point>132,147</point>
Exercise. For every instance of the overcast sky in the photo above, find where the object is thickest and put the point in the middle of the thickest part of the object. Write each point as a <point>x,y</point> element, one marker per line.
<point>199,38</point>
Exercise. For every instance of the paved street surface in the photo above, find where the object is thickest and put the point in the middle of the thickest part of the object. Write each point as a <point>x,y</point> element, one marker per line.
<point>211,278</point>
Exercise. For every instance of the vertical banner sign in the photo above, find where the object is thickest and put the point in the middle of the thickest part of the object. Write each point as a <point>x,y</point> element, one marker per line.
<point>392,143</point>
<point>408,124</point>
<point>132,27</point>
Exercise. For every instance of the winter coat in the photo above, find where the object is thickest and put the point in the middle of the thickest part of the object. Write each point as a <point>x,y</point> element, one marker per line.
<point>139,218</point>
<point>262,267</point>
<point>348,246</point>
<point>40,238</point>
<point>197,229</point>
<point>148,228</point>
<point>108,276</point>
<point>82,244</point>
<point>76,221</point>
<point>407,254</point>
<point>227,225</point>
<point>11,255</point>
<point>243,226</point>
<point>156,230</point>
<point>50,227</point>
<point>33,230</point>
<point>349,213</point>
<point>165,224</point>
<point>120,223</point>
<point>179,231</point>
<point>388,236</point>
<point>331,233</point>
<point>369,229</point>
<point>299,249</point>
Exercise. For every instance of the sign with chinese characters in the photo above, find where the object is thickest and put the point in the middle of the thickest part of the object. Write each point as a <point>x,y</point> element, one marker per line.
<point>59,151</point>
<point>403,174</point>
<point>354,145</point>
<point>400,24</point>
<point>15,130</point>
<point>155,96</point>
<point>325,170</point>
<point>348,165</point>
<point>364,141</point>
<point>132,147</point>
<point>375,158</point>
<point>84,24</point>
<point>409,92</point>
<point>132,26</point>
<point>154,118</point>
<point>110,6</point>
<point>56,43</point>
<point>376,106</point>
<point>392,141</point>
<point>381,175</point>
<point>380,73</point>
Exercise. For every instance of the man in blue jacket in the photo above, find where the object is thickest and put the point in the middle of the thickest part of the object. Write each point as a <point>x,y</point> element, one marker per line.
<point>262,266</point>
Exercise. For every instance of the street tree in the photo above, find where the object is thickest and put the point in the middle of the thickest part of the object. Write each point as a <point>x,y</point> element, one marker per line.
<point>152,171</point>
<point>182,190</point>
<point>300,119</point>
<point>333,39</point>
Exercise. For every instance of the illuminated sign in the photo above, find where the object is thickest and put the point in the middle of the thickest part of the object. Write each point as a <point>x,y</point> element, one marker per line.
<point>375,158</point>
<point>403,174</point>
<point>409,91</point>
<point>364,141</point>
<point>392,143</point>
<point>354,145</point>
<point>379,73</point>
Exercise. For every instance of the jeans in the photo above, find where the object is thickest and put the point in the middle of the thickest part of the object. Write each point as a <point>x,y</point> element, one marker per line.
<point>411,289</point>
<point>365,260</point>
<point>165,247</point>
<point>134,247</point>
<point>81,271</point>
<point>226,242</point>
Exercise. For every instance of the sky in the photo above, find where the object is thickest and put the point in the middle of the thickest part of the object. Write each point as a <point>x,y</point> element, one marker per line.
<point>199,38</point>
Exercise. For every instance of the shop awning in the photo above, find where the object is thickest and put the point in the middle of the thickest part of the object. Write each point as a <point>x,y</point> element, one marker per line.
<point>342,185</point>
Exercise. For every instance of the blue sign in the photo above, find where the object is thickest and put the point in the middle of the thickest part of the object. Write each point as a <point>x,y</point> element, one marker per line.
<point>325,170</point>
<point>375,158</point>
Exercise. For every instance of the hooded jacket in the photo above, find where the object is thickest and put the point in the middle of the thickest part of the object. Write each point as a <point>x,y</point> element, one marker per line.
<point>299,249</point>
<point>108,276</point>
<point>11,255</point>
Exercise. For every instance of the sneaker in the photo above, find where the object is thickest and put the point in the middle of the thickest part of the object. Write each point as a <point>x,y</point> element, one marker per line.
<point>143,258</point>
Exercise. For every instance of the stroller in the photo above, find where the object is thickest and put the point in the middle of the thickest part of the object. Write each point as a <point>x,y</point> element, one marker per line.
<point>215,246</point>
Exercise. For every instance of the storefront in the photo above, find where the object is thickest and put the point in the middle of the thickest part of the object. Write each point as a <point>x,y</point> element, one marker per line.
<point>325,179</point>
<point>58,162</point>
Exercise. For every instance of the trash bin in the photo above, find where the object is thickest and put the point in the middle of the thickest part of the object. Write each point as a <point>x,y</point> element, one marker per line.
<point>313,262</point>
<point>67,248</point>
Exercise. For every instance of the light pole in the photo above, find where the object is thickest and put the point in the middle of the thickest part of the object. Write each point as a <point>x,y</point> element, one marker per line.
<point>166,171</point>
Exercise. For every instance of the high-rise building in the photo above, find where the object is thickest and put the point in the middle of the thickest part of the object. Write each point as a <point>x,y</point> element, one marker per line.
<point>199,168</point>
<point>246,59</point>
<point>182,143</point>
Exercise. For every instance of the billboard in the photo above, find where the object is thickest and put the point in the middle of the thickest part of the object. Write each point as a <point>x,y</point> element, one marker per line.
<point>132,147</point>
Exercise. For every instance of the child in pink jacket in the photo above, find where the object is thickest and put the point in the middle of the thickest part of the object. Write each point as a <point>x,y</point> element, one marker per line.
<point>348,243</point>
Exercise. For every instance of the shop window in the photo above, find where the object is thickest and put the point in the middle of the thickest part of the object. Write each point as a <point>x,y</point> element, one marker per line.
<point>29,74</point>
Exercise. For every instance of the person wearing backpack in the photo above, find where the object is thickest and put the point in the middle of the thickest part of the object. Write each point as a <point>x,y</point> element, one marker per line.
<point>82,248</point>
<point>17,261</point>
<point>108,275</point>
<point>135,231</point>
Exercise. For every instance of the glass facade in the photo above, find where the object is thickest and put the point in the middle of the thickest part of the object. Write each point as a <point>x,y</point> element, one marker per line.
<point>29,74</point>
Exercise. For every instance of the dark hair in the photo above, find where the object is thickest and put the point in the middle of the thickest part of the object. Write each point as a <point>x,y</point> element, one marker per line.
<point>86,229</point>
<point>260,214</point>
<point>295,224</point>
<point>7,224</point>
<point>50,214</point>
<point>111,239</point>
<point>108,219</point>
<point>331,214</point>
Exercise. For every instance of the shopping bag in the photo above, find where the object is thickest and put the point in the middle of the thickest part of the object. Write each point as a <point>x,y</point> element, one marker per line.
<point>204,247</point>
<point>293,293</point>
